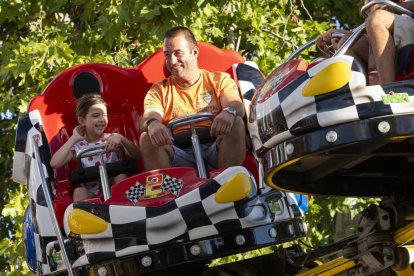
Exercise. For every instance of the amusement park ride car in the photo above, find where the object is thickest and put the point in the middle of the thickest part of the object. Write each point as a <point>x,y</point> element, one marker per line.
<point>315,129</point>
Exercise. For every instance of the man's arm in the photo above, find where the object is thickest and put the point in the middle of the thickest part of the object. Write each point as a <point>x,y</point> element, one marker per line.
<point>230,97</point>
<point>233,100</point>
<point>157,131</point>
<point>149,117</point>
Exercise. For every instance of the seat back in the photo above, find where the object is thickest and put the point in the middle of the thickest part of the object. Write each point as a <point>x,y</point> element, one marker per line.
<point>123,90</point>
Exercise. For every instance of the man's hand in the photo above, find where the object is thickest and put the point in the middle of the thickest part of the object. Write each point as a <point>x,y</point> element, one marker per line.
<point>330,41</point>
<point>222,123</point>
<point>159,134</point>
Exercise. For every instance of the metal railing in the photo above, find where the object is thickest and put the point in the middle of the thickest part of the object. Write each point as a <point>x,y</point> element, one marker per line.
<point>50,207</point>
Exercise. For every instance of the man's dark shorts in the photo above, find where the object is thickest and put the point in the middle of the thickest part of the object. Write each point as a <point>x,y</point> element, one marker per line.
<point>185,157</point>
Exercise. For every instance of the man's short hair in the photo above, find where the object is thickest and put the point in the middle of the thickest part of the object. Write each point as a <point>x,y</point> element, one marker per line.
<point>176,31</point>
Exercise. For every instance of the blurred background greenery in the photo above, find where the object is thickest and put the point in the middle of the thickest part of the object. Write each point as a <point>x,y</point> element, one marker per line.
<point>41,38</point>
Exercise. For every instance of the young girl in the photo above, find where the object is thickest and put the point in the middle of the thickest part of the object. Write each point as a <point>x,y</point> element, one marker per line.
<point>92,118</point>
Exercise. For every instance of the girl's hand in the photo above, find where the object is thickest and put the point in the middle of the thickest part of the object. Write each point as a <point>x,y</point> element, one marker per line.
<point>113,142</point>
<point>79,132</point>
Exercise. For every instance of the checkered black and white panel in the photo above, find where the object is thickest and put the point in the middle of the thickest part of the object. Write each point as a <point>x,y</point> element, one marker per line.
<point>288,113</point>
<point>36,193</point>
<point>26,170</point>
<point>135,192</point>
<point>134,229</point>
<point>248,77</point>
<point>172,184</point>
<point>28,126</point>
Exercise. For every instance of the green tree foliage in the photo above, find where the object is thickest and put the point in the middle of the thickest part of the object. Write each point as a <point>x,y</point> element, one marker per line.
<point>41,38</point>
<point>346,11</point>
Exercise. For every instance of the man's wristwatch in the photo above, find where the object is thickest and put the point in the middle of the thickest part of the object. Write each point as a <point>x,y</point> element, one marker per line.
<point>231,110</point>
<point>149,121</point>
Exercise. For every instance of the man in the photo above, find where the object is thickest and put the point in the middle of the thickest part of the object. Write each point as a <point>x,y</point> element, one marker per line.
<point>190,90</point>
<point>387,33</point>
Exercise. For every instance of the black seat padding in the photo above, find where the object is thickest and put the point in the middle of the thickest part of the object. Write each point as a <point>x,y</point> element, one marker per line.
<point>85,83</point>
<point>403,60</point>
<point>83,175</point>
<point>183,139</point>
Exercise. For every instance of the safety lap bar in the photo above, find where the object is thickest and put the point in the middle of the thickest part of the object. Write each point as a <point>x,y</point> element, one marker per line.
<point>389,5</point>
<point>191,120</point>
<point>92,151</point>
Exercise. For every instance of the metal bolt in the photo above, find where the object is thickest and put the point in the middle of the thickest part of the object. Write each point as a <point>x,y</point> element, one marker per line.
<point>240,239</point>
<point>146,261</point>
<point>195,250</point>
<point>272,232</point>
<point>102,271</point>
<point>384,127</point>
<point>289,148</point>
<point>331,136</point>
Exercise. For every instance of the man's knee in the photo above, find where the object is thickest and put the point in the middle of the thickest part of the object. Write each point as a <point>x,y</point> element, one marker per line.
<point>238,126</point>
<point>144,141</point>
<point>238,129</point>
<point>149,149</point>
<point>379,19</point>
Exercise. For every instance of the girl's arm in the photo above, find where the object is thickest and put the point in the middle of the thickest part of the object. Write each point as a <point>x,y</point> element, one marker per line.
<point>65,154</point>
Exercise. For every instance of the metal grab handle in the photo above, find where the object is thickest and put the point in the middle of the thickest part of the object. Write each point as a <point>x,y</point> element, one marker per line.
<point>299,50</point>
<point>329,49</point>
<point>394,7</point>
<point>94,150</point>
<point>51,209</point>
<point>103,174</point>
<point>356,34</point>
<point>191,120</point>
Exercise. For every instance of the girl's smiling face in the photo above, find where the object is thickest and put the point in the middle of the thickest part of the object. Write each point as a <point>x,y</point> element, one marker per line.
<point>95,122</point>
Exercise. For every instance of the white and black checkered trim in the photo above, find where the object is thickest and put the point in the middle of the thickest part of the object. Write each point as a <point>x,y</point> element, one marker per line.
<point>192,216</point>
<point>287,113</point>
<point>248,78</point>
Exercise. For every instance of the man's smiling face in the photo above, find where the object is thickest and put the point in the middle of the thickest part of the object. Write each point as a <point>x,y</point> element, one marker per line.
<point>180,57</point>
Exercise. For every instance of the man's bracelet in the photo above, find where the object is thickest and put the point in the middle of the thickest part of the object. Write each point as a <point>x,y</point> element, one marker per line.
<point>149,121</point>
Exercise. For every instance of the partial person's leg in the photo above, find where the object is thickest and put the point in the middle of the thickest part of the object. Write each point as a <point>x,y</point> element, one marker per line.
<point>379,25</point>
<point>119,178</point>
<point>232,147</point>
<point>183,157</point>
<point>360,51</point>
<point>154,157</point>
<point>81,193</point>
